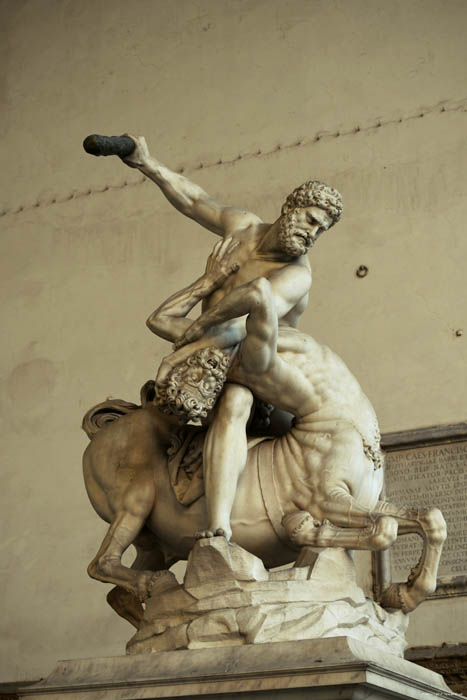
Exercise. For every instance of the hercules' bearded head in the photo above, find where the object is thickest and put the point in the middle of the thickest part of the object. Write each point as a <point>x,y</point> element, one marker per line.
<point>311,194</point>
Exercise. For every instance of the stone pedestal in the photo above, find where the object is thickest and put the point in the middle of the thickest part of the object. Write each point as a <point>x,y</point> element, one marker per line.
<point>228,598</point>
<point>235,630</point>
<point>326,669</point>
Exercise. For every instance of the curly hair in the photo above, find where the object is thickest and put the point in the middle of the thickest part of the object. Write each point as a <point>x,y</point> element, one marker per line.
<point>176,397</point>
<point>315,194</point>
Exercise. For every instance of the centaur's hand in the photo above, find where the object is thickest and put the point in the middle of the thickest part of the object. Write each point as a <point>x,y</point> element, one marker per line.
<point>218,268</point>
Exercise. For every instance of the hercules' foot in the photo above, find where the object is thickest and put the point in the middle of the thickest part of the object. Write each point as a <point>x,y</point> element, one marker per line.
<point>218,532</point>
<point>203,534</point>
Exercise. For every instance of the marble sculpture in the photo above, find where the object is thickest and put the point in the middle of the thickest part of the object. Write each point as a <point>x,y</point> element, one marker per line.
<point>254,447</point>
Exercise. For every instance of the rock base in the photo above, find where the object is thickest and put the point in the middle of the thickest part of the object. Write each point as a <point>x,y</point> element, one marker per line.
<point>228,598</point>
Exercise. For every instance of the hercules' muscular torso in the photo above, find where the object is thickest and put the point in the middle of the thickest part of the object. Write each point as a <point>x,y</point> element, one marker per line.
<point>253,265</point>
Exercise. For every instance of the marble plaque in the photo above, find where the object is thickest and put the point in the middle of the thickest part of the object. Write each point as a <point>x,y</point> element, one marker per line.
<point>429,468</point>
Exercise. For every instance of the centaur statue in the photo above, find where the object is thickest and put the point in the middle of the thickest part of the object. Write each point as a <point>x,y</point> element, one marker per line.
<point>314,481</point>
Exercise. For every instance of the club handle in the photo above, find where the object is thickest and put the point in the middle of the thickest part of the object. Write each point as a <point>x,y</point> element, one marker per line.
<point>98,145</point>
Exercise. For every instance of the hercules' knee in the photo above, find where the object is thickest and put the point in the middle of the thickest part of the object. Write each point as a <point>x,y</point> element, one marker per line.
<point>236,402</point>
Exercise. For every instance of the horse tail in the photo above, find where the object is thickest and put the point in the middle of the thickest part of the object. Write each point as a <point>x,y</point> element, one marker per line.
<point>113,409</point>
<point>106,412</point>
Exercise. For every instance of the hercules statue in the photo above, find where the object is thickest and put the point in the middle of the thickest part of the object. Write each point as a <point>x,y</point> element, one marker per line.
<point>276,252</point>
<point>316,483</point>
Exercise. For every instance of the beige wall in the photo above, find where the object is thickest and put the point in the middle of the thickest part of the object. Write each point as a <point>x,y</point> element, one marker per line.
<point>206,80</point>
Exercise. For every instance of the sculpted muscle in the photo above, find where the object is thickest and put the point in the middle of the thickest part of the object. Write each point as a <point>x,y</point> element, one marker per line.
<point>317,484</point>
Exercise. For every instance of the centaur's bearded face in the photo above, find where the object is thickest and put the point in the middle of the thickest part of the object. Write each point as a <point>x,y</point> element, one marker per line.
<point>191,389</point>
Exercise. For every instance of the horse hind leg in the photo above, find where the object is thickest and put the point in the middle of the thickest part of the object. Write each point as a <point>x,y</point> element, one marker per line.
<point>149,556</point>
<point>306,531</point>
<point>343,523</point>
<point>430,525</point>
<point>422,579</point>
<point>339,521</point>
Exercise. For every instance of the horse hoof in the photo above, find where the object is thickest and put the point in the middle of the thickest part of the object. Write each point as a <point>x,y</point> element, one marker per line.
<point>299,525</point>
<point>145,583</point>
<point>396,597</point>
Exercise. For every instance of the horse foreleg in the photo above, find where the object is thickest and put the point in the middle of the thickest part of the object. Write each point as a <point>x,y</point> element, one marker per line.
<point>136,503</point>
<point>149,556</point>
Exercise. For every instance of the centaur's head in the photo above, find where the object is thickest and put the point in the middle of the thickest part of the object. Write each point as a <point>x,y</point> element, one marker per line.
<point>191,388</point>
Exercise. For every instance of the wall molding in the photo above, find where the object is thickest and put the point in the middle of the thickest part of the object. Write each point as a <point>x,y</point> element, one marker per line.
<point>440,108</point>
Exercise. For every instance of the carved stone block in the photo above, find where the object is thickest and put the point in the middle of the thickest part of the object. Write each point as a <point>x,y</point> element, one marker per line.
<point>214,607</point>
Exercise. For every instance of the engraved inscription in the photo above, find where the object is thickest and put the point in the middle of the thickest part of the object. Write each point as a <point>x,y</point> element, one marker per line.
<point>435,475</point>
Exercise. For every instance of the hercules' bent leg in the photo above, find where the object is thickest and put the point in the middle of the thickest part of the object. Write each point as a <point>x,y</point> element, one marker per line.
<point>224,457</point>
<point>226,446</point>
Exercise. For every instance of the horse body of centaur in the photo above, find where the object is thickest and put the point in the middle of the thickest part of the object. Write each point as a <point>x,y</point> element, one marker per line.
<point>317,485</point>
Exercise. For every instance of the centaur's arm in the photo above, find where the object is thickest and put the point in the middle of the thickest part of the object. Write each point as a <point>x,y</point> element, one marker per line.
<point>169,320</point>
<point>289,287</point>
<point>259,366</point>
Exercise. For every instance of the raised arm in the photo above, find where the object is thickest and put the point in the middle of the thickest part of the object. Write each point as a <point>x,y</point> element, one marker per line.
<point>190,199</point>
<point>168,320</point>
